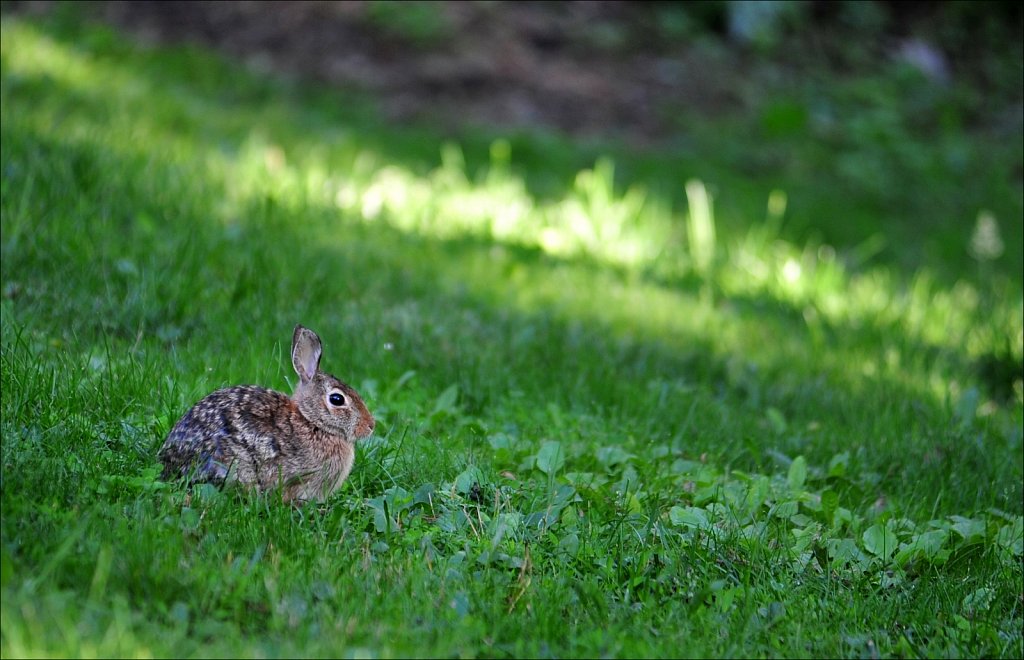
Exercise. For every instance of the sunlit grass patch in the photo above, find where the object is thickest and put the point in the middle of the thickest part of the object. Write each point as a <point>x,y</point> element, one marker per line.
<point>632,228</point>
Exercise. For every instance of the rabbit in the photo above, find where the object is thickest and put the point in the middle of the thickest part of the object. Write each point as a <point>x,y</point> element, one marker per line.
<point>264,439</point>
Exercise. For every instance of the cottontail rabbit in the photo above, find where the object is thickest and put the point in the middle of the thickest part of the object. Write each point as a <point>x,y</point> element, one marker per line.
<point>263,438</point>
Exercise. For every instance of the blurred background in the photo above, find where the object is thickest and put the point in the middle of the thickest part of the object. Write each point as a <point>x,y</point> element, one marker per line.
<point>631,70</point>
<point>915,108</point>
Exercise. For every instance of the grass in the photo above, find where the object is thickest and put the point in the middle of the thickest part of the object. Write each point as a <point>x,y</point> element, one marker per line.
<point>611,421</point>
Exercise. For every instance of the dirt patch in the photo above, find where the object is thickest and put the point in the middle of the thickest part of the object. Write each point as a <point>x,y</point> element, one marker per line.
<point>580,67</point>
<point>623,70</point>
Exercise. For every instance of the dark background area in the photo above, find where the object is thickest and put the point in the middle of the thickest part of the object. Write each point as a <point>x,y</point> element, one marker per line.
<point>633,70</point>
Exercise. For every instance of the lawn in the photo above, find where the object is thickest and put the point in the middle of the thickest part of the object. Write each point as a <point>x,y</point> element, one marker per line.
<point>629,404</point>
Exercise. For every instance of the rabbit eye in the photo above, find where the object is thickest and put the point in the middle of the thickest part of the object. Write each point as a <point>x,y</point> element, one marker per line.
<point>336,399</point>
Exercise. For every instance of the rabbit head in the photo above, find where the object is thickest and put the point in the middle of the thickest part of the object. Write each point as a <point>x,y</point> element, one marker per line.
<point>322,399</point>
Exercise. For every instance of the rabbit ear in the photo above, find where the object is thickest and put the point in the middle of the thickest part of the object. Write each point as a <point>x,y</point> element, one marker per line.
<point>305,353</point>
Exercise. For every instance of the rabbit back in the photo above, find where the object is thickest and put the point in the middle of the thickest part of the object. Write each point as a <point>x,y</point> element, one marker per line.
<point>258,437</point>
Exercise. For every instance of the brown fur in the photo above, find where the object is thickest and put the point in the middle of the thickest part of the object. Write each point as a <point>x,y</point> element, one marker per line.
<point>265,439</point>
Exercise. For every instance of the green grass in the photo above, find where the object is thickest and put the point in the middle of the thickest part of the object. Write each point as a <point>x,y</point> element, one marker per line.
<point>611,421</point>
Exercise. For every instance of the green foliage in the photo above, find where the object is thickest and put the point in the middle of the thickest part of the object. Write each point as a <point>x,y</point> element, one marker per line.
<point>421,23</point>
<point>578,451</point>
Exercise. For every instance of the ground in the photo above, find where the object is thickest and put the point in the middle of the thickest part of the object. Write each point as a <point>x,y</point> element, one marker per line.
<point>754,389</point>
